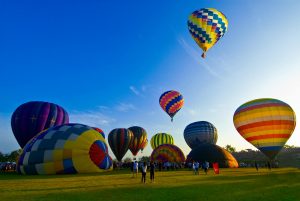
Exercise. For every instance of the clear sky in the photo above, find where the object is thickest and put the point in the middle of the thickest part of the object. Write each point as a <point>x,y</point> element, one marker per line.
<point>107,62</point>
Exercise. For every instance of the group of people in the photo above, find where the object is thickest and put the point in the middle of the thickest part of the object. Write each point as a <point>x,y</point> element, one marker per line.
<point>8,166</point>
<point>144,167</point>
<point>196,166</point>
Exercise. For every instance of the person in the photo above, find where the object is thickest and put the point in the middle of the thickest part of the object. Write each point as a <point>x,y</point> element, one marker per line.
<point>205,166</point>
<point>152,169</point>
<point>256,165</point>
<point>144,171</point>
<point>135,169</point>
<point>269,165</point>
<point>194,167</point>
<point>197,168</point>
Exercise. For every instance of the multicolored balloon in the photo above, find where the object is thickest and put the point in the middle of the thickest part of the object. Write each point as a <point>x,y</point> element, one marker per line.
<point>139,139</point>
<point>65,149</point>
<point>119,140</point>
<point>167,153</point>
<point>143,146</point>
<point>200,132</point>
<point>101,132</point>
<point>31,118</point>
<point>161,138</point>
<point>266,123</point>
<point>207,26</point>
<point>213,154</point>
<point>171,102</point>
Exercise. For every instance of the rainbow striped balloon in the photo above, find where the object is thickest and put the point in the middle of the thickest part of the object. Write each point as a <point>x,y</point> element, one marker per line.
<point>266,123</point>
<point>171,102</point>
<point>207,26</point>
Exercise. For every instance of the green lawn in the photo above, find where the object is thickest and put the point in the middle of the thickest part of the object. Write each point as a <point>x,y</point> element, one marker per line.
<point>232,184</point>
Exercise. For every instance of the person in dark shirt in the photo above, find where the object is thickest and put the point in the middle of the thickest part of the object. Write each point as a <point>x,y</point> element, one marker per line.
<point>152,170</point>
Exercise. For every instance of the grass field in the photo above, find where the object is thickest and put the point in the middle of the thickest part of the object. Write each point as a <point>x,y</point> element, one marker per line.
<point>232,184</point>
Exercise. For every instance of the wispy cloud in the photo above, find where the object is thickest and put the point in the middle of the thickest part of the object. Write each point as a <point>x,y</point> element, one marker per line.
<point>91,118</point>
<point>134,90</point>
<point>125,107</point>
<point>196,56</point>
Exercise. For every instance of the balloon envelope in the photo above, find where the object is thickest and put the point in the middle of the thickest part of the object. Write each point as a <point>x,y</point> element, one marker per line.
<point>200,132</point>
<point>119,140</point>
<point>167,153</point>
<point>31,118</point>
<point>65,149</point>
<point>161,138</point>
<point>171,102</point>
<point>266,123</point>
<point>207,26</point>
<point>139,139</point>
<point>100,131</point>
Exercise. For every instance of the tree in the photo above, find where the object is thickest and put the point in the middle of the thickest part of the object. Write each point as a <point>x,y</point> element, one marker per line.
<point>145,159</point>
<point>230,148</point>
<point>127,160</point>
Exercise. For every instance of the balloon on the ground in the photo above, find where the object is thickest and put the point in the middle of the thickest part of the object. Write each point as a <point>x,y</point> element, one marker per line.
<point>31,118</point>
<point>207,26</point>
<point>139,139</point>
<point>65,149</point>
<point>200,132</point>
<point>171,102</point>
<point>161,138</point>
<point>119,140</point>
<point>266,123</point>
<point>167,153</point>
<point>213,154</point>
<point>100,131</point>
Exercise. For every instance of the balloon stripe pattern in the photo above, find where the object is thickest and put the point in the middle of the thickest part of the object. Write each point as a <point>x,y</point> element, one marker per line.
<point>139,139</point>
<point>161,138</point>
<point>171,102</point>
<point>266,123</point>
<point>31,118</point>
<point>65,149</point>
<point>100,131</point>
<point>167,153</point>
<point>200,132</point>
<point>207,26</point>
<point>119,140</point>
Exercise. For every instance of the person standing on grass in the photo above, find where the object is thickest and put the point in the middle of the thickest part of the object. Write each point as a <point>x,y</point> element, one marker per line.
<point>135,169</point>
<point>144,171</point>
<point>205,166</point>
<point>197,168</point>
<point>152,169</point>
<point>256,165</point>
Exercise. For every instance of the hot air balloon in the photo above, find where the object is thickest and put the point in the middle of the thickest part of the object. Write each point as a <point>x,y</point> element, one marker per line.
<point>99,131</point>
<point>167,153</point>
<point>139,139</point>
<point>200,132</point>
<point>171,102</point>
<point>65,149</point>
<point>161,138</point>
<point>143,146</point>
<point>266,123</point>
<point>119,140</point>
<point>33,117</point>
<point>207,26</point>
<point>213,154</point>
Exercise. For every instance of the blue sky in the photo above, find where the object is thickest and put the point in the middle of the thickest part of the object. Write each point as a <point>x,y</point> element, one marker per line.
<point>108,62</point>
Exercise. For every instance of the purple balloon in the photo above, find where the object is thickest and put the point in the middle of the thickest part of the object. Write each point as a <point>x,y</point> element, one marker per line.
<point>31,118</point>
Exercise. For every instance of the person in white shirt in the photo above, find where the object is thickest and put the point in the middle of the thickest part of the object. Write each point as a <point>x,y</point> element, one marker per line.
<point>194,167</point>
<point>144,171</point>
<point>135,169</point>
<point>197,167</point>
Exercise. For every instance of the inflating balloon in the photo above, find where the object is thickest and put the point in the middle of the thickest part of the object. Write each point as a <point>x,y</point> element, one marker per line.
<point>207,26</point>
<point>200,132</point>
<point>99,131</point>
<point>65,149</point>
<point>167,153</point>
<point>119,140</point>
<point>33,117</point>
<point>161,138</point>
<point>171,102</point>
<point>139,139</point>
<point>266,123</point>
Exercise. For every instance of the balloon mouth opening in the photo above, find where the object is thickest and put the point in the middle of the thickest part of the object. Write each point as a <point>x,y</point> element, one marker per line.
<point>98,152</point>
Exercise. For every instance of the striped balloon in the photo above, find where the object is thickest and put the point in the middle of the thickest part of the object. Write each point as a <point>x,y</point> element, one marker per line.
<point>171,102</point>
<point>207,26</point>
<point>266,123</point>
<point>161,138</point>
<point>65,149</point>
<point>167,153</point>
<point>139,139</point>
<point>31,118</point>
<point>200,132</point>
<point>119,140</point>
